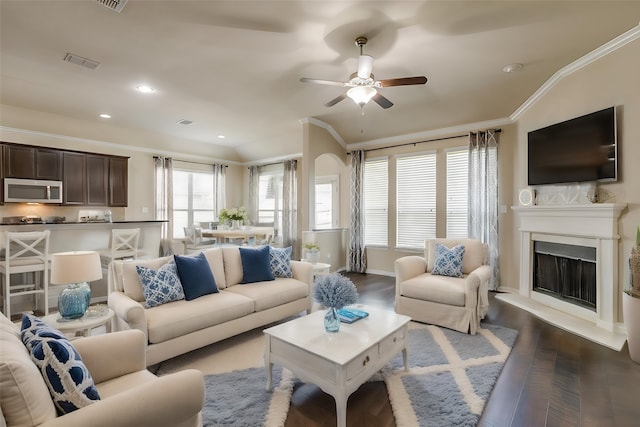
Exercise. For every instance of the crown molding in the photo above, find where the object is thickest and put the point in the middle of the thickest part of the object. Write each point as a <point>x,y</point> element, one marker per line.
<point>594,55</point>
<point>327,127</point>
<point>174,154</point>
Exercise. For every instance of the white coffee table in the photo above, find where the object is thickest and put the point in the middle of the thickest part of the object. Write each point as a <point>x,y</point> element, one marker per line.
<point>95,317</point>
<point>338,362</point>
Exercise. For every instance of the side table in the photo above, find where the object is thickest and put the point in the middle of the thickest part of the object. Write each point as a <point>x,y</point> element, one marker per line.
<point>320,268</point>
<point>94,318</point>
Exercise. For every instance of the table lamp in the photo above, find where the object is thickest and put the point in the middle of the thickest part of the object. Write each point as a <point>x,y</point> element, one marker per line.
<point>74,269</point>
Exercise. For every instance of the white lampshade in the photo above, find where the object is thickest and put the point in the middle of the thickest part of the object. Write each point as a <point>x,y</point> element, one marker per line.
<point>361,94</point>
<point>75,267</point>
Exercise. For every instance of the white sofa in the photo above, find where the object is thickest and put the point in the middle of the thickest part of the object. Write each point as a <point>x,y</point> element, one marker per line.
<point>130,395</point>
<point>182,326</point>
<point>452,302</point>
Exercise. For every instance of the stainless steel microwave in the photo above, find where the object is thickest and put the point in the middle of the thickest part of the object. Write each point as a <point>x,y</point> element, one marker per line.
<point>32,191</point>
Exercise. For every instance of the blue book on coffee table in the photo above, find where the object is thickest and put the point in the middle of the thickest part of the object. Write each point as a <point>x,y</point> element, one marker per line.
<point>350,315</point>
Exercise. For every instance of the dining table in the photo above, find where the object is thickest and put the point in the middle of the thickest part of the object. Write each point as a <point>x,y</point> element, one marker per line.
<point>248,234</point>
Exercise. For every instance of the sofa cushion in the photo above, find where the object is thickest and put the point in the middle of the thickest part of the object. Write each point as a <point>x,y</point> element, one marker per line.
<point>280,261</point>
<point>232,265</point>
<point>448,262</point>
<point>440,289</point>
<point>24,395</point>
<point>180,318</point>
<point>274,293</point>
<point>216,262</point>
<point>160,286</point>
<point>255,265</point>
<point>196,276</point>
<point>475,252</point>
<point>131,281</point>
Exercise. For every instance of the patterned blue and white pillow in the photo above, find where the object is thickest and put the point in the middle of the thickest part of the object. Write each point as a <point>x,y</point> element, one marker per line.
<point>280,261</point>
<point>33,330</point>
<point>160,286</point>
<point>70,383</point>
<point>448,262</point>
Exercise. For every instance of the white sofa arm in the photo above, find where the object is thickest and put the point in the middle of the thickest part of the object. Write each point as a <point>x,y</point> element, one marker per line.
<point>302,271</point>
<point>482,275</point>
<point>113,355</point>
<point>171,400</point>
<point>408,267</point>
<point>127,311</point>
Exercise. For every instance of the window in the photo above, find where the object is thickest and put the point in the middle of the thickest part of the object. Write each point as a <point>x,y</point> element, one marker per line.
<point>416,200</point>
<point>376,178</point>
<point>270,198</point>
<point>193,199</point>
<point>457,192</point>
<point>327,202</point>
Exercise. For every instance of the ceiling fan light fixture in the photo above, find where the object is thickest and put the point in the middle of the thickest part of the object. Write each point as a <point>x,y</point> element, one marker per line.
<point>361,94</point>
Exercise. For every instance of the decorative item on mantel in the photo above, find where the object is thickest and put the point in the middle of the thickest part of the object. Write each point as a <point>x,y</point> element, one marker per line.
<point>312,253</point>
<point>334,291</point>
<point>234,217</point>
<point>631,303</point>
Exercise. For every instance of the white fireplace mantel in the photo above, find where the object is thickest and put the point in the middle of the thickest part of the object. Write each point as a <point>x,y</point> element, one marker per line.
<point>592,225</point>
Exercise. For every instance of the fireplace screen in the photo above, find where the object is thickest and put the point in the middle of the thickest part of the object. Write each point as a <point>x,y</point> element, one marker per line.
<point>567,272</point>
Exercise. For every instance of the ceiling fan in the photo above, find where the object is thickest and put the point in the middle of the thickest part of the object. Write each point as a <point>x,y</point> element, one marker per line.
<point>363,87</point>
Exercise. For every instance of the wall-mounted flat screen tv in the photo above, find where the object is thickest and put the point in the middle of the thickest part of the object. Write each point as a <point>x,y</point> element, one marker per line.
<point>577,150</point>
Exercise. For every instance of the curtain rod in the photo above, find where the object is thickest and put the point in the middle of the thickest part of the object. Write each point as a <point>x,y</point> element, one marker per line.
<point>190,161</point>
<point>421,142</point>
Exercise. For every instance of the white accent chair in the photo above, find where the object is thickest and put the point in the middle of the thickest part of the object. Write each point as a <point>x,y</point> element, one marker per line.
<point>452,302</point>
<point>26,252</point>
<point>124,245</point>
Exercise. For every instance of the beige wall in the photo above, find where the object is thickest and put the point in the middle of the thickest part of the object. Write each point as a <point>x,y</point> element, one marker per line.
<point>611,80</point>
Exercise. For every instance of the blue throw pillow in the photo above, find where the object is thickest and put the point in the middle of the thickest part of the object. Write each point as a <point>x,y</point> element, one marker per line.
<point>280,261</point>
<point>195,275</point>
<point>448,262</point>
<point>160,286</point>
<point>70,383</point>
<point>33,330</point>
<point>255,265</point>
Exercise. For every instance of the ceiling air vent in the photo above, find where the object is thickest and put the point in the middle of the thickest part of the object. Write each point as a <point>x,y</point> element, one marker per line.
<point>116,5</point>
<point>184,122</point>
<point>83,62</point>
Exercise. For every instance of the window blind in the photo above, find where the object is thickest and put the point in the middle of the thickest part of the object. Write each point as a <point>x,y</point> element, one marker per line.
<point>457,193</point>
<point>376,192</point>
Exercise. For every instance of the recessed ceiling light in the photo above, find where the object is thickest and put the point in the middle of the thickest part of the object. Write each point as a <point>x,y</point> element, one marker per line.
<point>511,68</point>
<point>105,116</point>
<point>221,136</point>
<point>145,89</point>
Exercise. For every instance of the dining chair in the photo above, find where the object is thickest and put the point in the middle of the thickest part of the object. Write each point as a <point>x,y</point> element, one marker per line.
<point>193,240</point>
<point>26,252</point>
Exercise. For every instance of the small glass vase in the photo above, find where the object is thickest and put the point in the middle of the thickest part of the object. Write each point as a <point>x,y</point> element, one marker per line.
<point>331,320</point>
<point>236,224</point>
<point>72,302</point>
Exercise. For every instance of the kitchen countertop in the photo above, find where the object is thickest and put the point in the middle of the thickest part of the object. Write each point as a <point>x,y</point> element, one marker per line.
<point>84,222</point>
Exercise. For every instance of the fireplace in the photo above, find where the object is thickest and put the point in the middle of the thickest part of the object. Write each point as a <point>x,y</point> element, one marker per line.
<point>566,272</point>
<point>569,268</point>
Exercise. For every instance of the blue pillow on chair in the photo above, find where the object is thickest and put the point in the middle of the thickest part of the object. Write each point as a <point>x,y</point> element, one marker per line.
<point>448,262</point>
<point>195,275</point>
<point>255,265</point>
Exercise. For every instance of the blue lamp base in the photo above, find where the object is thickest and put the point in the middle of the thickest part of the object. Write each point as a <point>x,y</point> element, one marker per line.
<point>73,301</point>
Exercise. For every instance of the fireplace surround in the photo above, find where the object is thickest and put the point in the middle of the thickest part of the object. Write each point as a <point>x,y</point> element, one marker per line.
<point>593,228</point>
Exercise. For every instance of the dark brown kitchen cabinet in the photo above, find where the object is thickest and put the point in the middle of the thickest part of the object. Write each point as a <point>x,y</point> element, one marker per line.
<point>27,162</point>
<point>118,181</point>
<point>74,183</point>
<point>97,180</point>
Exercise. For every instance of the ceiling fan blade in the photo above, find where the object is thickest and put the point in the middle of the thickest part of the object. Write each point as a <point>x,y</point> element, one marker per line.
<point>382,101</point>
<point>322,82</point>
<point>335,100</point>
<point>403,81</point>
<point>365,65</point>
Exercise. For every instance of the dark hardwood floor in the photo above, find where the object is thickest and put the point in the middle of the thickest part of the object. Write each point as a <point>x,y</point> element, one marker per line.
<point>551,378</point>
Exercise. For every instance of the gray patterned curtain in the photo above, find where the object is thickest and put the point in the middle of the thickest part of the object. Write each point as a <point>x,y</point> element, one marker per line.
<point>357,253</point>
<point>253,193</point>
<point>163,168</point>
<point>219,187</point>
<point>290,206</point>
<point>483,195</point>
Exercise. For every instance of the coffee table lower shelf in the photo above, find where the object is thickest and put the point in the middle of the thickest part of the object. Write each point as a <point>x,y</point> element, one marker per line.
<point>339,363</point>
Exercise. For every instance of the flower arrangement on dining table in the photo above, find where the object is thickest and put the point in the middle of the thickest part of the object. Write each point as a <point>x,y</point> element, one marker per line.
<point>233,214</point>
<point>334,291</point>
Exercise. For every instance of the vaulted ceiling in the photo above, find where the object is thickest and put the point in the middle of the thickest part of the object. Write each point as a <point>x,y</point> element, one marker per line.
<point>233,68</point>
